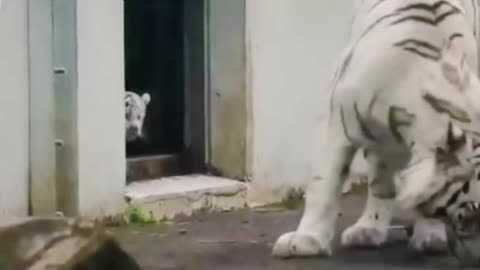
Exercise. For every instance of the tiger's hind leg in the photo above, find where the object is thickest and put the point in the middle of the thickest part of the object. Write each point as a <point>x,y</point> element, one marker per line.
<point>358,175</point>
<point>371,228</point>
<point>317,226</point>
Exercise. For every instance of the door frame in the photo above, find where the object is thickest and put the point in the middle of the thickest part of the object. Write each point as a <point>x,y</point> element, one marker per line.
<point>195,18</point>
<point>42,180</point>
<point>227,96</point>
<point>215,129</point>
<point>53,172</point>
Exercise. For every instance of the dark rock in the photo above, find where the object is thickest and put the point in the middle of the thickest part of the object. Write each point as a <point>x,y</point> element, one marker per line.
<point>60,243</point>
<point>466,248</point>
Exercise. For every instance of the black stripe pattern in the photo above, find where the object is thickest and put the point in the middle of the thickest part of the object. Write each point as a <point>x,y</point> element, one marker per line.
<point>433,15</point>
<point>433,10</point>
<point>421,48</point>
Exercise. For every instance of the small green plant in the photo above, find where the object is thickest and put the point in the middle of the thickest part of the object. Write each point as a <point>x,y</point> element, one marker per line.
<point>138,216</point>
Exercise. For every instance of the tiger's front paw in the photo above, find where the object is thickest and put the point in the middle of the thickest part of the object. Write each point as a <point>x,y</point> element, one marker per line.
<point>363,236</point>
<point>295,244</point>
<point>429,236</point>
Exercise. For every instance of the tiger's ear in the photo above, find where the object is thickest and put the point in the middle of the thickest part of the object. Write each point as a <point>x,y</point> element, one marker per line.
<point>455,138</point>
<point>455,69</point>
<point>446,50</point>
<point>451,73</point>
<point>451,63</point>
<point>449,48</point>
<point>146,98</point>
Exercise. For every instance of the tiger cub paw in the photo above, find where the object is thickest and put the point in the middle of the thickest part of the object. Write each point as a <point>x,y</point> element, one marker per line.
<point>429,237</point>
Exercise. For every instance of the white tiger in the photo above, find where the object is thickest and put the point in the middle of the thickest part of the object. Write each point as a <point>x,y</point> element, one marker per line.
<point>135,112</point>
<point>408,74</point>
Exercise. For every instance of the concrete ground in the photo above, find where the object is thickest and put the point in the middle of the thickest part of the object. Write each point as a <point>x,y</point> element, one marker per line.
<point>242,240</point>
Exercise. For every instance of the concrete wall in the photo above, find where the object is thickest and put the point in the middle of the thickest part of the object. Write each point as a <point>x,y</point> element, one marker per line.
<point>291,49</point>
<point>101,147</point>
<point>14,138</point>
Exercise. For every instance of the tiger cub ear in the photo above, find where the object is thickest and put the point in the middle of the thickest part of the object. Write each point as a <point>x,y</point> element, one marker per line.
<point>146,98</point>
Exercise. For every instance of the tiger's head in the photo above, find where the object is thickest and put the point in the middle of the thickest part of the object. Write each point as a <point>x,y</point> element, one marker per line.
<point>135,112</point>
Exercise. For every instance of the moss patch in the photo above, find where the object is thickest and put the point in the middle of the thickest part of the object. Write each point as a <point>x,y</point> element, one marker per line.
<point>138,216</point>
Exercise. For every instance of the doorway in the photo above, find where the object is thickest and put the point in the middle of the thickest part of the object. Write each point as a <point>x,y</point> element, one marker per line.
<point>158,52</point>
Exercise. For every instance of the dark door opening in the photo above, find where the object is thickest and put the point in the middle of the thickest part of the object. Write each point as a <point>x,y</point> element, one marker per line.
<point>154,64</point>
<point>164,57</point>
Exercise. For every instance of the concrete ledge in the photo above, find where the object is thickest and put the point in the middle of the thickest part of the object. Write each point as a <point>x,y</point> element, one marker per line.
<point>170,196</point>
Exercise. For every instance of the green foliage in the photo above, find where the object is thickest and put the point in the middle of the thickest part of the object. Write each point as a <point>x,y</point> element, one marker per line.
<point>138,216</point>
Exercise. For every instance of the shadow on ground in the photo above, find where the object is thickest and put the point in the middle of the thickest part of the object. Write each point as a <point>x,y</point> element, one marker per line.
<point>243,240</point>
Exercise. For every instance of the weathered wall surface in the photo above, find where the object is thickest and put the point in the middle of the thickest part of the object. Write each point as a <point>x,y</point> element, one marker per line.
<point>291,49</point>
<point>14,138</point>
<point>227,97</point>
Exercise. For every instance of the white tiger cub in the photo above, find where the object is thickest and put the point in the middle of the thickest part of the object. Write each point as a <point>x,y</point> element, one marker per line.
<point>429,234</point>
<point>408,73</point>
<point>135,112</point>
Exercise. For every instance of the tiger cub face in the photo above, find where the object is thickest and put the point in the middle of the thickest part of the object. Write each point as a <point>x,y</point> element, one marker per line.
<point>456,163</point>
<point>458,203</point>
<point>135,112</point>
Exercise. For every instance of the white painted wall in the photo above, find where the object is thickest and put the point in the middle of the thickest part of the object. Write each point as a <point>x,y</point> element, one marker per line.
<point>43,185</point>
<point>291,48</point>
<point>14,138</point>
<point>101,142</point>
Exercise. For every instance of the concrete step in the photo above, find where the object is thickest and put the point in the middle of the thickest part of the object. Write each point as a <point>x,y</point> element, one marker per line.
<point>168,197</point>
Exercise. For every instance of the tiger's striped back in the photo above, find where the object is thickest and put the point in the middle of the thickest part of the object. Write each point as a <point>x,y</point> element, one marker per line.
<point>419,27</point>
<point>411,33</point>
<point>377,17</point>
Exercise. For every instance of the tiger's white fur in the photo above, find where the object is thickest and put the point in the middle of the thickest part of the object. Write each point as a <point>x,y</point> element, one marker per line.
<point>407,73</point>
<point>135,112</point>
<point>429,234</point>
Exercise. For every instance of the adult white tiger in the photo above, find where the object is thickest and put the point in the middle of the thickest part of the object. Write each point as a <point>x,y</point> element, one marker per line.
<point>410,70</point>
<point>135,112</point>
